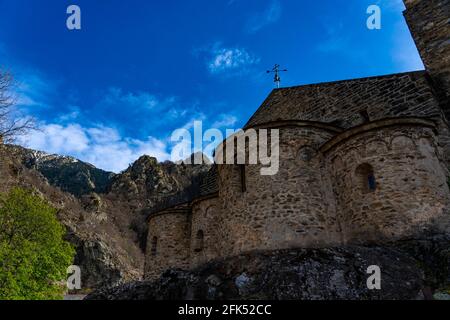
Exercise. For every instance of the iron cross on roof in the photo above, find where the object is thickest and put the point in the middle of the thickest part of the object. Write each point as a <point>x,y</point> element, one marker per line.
<point>276,70</point>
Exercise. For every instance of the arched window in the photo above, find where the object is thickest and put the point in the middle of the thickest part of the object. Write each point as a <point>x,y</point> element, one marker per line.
<point>154,246</point>
<point>199,241</point>
<point>306,153</point>
<point>367,179</point>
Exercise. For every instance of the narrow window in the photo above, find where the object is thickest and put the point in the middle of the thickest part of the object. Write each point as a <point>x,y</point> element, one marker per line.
<point>199,241</point>
<point>372,182</point>
<point>154,246</point>
<point>366,178</point>
<point>243,177</point>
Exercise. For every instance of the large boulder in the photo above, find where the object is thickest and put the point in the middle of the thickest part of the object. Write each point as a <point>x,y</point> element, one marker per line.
<point>304,274</point>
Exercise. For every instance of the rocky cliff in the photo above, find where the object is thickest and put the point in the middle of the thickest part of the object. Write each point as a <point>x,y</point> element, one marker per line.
<point>104,212</point>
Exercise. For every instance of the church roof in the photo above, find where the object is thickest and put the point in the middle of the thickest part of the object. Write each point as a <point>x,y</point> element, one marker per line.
<point>209,184</point>
<point>340,103</point>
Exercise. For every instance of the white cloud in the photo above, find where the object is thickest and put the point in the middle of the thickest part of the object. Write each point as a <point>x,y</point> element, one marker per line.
<point>226,61</point>
<point>104,146</point>
<point>119,154</point>
<point>73,114</point>
<point>101,146</point>
<point>231,59</point>
<point>271,15</point>
<point>225,121</point>
<point>55,138</point>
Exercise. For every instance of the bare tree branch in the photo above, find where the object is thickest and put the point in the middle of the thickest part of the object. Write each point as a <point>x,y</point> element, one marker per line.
<point>11,125</point>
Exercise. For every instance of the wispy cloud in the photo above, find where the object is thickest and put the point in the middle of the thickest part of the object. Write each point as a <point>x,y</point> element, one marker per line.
<point>261,19</point>
<point>138,112</point>
<point>138,100</point>
<point>74,113</point>
<point>230,61</point>
<point>227,121</point>
<point>31,88</point>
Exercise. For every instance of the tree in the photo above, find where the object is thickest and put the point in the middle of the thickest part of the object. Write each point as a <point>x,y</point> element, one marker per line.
<point>33,253</point>
<point>11,126</point>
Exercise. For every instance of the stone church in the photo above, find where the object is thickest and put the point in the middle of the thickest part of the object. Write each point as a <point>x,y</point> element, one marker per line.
<point>361,161</point>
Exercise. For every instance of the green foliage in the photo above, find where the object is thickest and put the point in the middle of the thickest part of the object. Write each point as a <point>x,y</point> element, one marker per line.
<point>33,254</point>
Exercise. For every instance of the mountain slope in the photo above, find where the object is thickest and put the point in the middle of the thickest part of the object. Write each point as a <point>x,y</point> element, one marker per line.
<point>67,173</point>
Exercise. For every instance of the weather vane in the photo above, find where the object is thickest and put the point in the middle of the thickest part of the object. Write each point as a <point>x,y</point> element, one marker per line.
<point>277,78</point>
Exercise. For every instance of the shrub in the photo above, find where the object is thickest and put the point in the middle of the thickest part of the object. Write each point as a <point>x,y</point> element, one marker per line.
<point>33,253</point>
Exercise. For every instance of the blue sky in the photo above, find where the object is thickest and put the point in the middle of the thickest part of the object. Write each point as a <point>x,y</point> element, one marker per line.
<point>140,69</point>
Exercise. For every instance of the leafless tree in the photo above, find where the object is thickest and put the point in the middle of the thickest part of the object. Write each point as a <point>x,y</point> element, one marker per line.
<point>11,125</point>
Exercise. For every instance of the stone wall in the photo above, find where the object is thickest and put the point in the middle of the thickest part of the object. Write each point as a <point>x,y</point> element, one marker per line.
<point>429,22</point>
<point>205,222</point>
<point>320,197</point>
<point>289,209</point>
<point>171,229</point>
<point>408,194</point>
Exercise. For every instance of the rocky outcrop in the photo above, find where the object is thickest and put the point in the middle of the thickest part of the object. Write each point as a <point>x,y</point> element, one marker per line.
<point>411,270</point>
<point>148,183</point>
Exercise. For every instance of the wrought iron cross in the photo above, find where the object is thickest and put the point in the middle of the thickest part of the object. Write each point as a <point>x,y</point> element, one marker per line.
<point>277,78</point>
